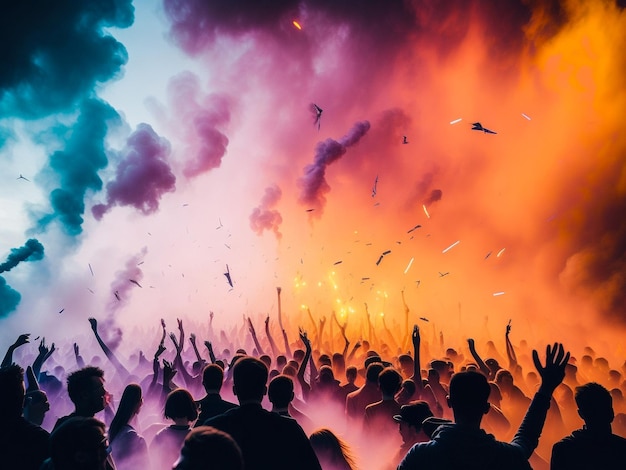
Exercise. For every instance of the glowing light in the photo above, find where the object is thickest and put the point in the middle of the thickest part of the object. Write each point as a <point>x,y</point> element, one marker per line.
<point>496,294</point>
<point>526,116</point>
<point>426,211</point>
<point>409,266</point>
<point>451,246</point>
<point>297,25</point>
<point>456,120</point>
<point>500,252</point>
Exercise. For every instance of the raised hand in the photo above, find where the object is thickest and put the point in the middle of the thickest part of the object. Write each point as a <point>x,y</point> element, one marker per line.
<point>508,328</point>
<point>192,338</point>
<point>94,324</point>
<point>415,336</point>
<point>304,338</point>
<point>43,349</point>
<point>175,341</point>
<point>470,343</point>
<point>168,372</point>
<point>76,350</point>
<point>180,324</point>
<point>208,345</point>
<point>21,340</point>
<point>553,373</point>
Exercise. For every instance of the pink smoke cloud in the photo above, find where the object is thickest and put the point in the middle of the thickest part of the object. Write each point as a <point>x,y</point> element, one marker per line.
<point>265,217</point>
<point>142,177</point>
<point>199,119</point>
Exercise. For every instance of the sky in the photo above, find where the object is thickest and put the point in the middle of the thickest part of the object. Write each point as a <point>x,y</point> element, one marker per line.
<point>148,148</point>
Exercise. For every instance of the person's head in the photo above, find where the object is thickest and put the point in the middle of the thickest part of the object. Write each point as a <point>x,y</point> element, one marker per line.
<point>208,448</point>
<point>410,420</point>
<point>351,373</point>
<point>326,375</point>
<point>443,368</point>
<point>212,378</point>
<point>280,391</point>
<point>407,389</point>
<point>130,404</point>
<point>12,391</point>
<point>389,381</point>
<point>406,365</point>
<point>469,396</point>
<point>281,361</point>
<point>85,388</point>
<point>179,404</point>
<point>373,371</point>
<point>79,443</point>
<point>267,360</point>
<point>250,379</point>
<point>595,404</point>
<point>330,449</point>
<point>504,379</point>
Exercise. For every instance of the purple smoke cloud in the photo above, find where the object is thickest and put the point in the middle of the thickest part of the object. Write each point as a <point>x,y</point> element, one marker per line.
<point>200,119</point>
<point>265,217</point>
<point>143,176</point>
<point>313,182</point>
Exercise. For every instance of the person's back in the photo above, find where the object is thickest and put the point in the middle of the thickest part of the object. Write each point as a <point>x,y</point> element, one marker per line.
<point>267,440</point>
<point>23,445</point>
<point>212,403</point>
<point>595,445</point>
<point>465,446</point>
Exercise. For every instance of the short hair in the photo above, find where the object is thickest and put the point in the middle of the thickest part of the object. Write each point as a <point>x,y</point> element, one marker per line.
<point>351,372</point>
<point>11,390</point>
<point>594,402</point>
<point>212,377</point>
<point>373,371</point>
<point>469,391</point>
<point>78,381</point>
<point>76,434</point>
<point>249,378</point>
<point>180,404</point>
<point>409,385</point>
<point>280,391</point>
<point>389,380</point>
<point>206,447</point>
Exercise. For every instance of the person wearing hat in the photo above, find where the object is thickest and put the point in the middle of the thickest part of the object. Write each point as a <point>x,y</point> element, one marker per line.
<point>410,420</point>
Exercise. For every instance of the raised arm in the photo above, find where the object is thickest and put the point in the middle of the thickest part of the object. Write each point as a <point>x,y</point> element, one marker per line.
<point>209,347</point>
<point>8,357</point>
<point>33,383</point>
<point>107,351</point>
<point>44,354</point>
<point>306,388</point>
<point>275,352</point>
<point>479,361</point>
<point>552,374</point>
<point>510,352</point>
<point>178,361</point>
<point>80,362</point>
<point>192,340</point>
<point>257,345</point>
<point>417,367</point>
<point>287,347</point>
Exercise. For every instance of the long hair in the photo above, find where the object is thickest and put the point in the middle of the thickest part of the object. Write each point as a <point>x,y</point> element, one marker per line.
<point>332,450</point>
<point>125,411</point>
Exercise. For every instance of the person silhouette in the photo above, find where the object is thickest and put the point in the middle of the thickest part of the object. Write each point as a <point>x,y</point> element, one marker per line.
<point>595,445</point>
<point>266,439</point>
<point>464,445</point>
<point>212,403</point>
<point>23,444</point>
<point>207,448</point>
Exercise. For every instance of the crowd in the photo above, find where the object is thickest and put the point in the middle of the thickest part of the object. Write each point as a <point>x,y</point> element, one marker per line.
<point>251,404</point>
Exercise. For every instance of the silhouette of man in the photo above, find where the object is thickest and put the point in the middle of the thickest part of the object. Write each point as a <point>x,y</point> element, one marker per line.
<point>410,427</point>
<point>369,393</point>
<point>280,393</point>
<point>212,404</point>
<point>378,416</point>
<point>595,445</point>
<point>267,440</point>
<point>85,388</point>
<point>23,444</point>
<point>464,445</point>
<point>79,443</point>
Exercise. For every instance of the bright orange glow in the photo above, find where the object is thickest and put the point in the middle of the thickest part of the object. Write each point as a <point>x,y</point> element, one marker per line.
<point>297,25</point>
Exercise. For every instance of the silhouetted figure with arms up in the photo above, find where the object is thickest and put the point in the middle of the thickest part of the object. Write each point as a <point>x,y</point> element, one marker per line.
<point>23,445</point>
<point>267,440</point>
<point>464,445</point>
<point>595,445</point>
